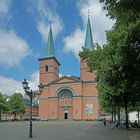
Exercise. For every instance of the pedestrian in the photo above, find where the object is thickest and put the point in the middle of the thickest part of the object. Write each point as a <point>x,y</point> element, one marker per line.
<point>135,124</point>
<point>104,121</point>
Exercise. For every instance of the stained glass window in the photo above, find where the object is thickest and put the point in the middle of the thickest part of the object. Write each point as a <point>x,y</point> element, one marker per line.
<point>65,93</point>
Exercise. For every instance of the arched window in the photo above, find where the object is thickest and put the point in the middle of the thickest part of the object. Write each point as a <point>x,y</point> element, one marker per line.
<point>65,93</point>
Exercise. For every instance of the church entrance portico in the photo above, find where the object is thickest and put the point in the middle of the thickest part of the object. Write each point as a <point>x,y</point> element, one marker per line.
<point>65,99</point>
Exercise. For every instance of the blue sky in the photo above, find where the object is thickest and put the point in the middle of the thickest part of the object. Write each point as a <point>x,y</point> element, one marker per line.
<point>24,27</point>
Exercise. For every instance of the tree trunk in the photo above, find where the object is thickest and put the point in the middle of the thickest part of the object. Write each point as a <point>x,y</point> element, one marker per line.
<point>138,116</point>
<point>15,116</point>
<point>112,116</point>
<point>126,112</point>
<point>118,114</point>
<point>0,115</point>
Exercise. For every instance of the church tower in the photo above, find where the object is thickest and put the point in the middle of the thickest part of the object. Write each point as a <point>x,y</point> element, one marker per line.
<point>49,65</point>
<point>85,73</point>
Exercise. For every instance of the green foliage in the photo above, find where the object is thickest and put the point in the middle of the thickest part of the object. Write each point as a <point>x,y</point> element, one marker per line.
<point>117,63</point>
<point>11,104</point>
<point>16,104</point>
<point>123,10</point>
<point>2,103</point>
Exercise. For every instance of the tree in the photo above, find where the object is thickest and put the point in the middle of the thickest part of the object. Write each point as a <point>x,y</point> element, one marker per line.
<point>118,62</point>
<point>16,104</point>
<point>125,36</point>
<point>2,104</point>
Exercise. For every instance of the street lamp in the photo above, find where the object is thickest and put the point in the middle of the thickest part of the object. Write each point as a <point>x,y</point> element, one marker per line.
<point>30,93</point>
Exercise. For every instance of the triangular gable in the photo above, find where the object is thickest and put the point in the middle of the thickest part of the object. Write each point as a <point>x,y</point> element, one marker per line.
<point>65,79</point>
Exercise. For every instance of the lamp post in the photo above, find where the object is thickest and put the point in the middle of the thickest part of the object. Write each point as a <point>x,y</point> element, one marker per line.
<point>29,93</point>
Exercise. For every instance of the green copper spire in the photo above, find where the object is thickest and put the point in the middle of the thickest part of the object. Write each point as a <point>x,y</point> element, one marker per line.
<point>88,39</point>
<point>50,45</point>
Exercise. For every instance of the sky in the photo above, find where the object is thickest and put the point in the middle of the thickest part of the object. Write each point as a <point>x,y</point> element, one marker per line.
<point>24,27</point>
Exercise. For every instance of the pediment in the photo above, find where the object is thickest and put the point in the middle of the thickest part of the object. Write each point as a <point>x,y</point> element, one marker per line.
<point>65,79</point>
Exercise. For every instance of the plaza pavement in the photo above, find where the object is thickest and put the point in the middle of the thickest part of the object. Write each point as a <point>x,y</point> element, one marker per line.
<point>65,130</point>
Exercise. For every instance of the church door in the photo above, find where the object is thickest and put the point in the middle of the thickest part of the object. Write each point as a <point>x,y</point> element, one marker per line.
<point>65,113</point>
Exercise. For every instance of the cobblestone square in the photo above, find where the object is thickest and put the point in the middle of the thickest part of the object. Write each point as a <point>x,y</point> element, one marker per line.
<point>65,130</point>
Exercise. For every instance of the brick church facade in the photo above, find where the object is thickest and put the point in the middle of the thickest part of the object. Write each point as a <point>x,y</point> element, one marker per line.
<point>67,97</point>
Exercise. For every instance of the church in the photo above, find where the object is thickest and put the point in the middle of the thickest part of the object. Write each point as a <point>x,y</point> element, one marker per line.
<point>67,97</point>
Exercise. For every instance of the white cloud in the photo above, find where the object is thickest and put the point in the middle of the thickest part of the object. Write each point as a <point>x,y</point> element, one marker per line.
<point>9,85</point>
<point>45,17</point>
<point>13,49</point>
<point>43,30</point>
<point>60,75</point>
<point>4,6</point>
<point>34,82</point>
<point>99,22</point>
<point>5,16</point>
<point>74,42</point>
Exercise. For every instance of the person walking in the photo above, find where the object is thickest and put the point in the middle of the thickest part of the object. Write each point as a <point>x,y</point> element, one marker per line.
<point>104,121</point>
